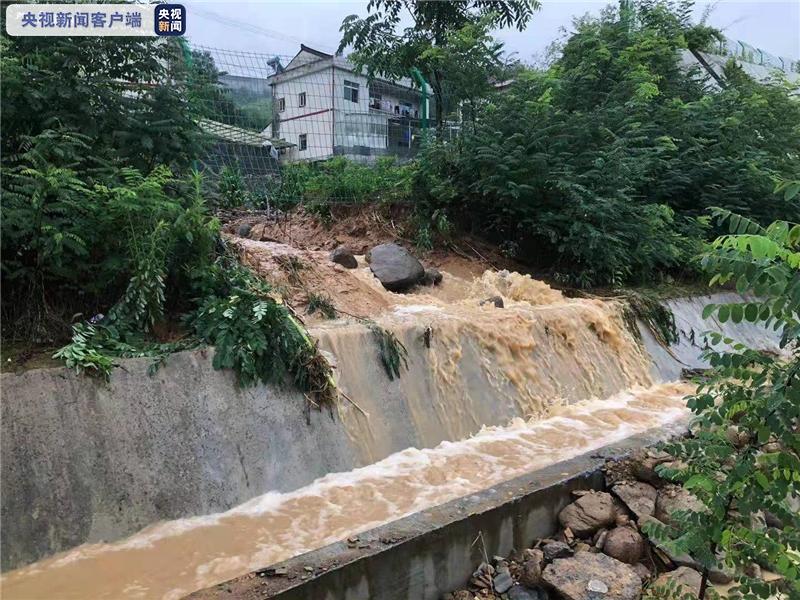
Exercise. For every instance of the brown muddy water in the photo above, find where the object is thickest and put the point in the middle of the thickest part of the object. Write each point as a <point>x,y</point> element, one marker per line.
<point>563,377</point>
<point>172,559</point>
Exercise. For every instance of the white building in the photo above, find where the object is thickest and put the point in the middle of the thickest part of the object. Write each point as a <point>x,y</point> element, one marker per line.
<point>325,108</point>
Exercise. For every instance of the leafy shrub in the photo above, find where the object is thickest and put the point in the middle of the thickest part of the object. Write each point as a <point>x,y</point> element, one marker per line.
<point>743,458</point>
<point>134,107</point>
<point>71,246</point>
<point>601,168</point>
<point>255,334</point>
<point>343,180</point>
<point>233,192</point>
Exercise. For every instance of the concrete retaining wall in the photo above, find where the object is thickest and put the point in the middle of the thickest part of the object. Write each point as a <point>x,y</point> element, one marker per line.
<point>83,461</point>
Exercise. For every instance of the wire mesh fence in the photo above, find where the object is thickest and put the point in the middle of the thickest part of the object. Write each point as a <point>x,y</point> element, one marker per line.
<point>274,118</point>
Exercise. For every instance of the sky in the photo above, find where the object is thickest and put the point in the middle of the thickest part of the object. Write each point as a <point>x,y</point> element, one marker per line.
<point>278,27</point>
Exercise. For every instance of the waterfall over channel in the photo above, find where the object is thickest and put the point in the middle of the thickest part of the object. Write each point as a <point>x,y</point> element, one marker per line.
<point>171,483</point>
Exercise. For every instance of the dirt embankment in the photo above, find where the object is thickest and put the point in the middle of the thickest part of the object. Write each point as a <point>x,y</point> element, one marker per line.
<point>292,251</point>
<point>359,228</point>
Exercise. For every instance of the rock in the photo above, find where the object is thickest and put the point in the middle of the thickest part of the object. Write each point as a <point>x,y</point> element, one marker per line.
<point>682,577</point>
<point>639,497</point>
<point>496,300</point>
<point>588,514</point>
<point>459,595</point>
<point>625,544</point>
<point>432,276</point>
<point>244,230</point>
<point>644,467</point>
<point>672,498</point>
<point>344,257</point>
<point>643,572</point>
<point>600,538</point>
<point>597,586</point>
<point>720,576</point>
<point>503,582</point>
<point>554,550</point>
<point>578,578</point>
<point>531,569</point>
<point>521,592</point>
<point>395,267</point>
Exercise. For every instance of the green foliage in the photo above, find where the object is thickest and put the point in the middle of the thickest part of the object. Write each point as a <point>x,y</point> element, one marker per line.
<point>342,179</point>
<point>470,59</point>
<point>431,228</point>
<point>233,192</point>
<point>94,348</point>
<point>392,352</point>
<point>133,105</point>
<point>601,168</point>
<point>743,457</point>
<point>255,333</point>
<point>322,304</point>
<point>70,245</point>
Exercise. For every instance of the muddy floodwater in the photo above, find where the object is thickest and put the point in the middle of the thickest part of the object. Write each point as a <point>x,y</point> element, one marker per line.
<point>172,559</point>
<point>555,377</point>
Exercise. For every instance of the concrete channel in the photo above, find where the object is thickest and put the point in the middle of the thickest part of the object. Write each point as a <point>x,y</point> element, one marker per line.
<point>425,555</point>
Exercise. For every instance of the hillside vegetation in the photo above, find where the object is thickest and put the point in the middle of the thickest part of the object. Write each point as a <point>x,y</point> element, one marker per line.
<point>598,170</point>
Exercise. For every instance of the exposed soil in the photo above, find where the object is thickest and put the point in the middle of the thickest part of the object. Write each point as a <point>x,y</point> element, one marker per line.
<point>359,228</point>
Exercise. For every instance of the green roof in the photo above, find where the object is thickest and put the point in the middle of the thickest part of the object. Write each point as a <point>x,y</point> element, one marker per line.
<point>239,135</point>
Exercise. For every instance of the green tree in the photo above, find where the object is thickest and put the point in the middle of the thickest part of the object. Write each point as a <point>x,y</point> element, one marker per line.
<point>472,60</point>
<point>128,95</point>
<point>601,168</point>
<point>743,457</point>
<point>381,48</point>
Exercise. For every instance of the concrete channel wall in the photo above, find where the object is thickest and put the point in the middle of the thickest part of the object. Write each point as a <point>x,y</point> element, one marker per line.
<point>82,461</point>
<point>425,555</point>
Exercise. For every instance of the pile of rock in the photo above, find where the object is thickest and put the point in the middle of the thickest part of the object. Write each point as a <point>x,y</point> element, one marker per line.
<point>600,550</point>
<point>395,267</point>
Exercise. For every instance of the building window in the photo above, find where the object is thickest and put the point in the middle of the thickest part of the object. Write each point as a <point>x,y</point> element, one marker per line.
<point>301,99</point>
<point>350,91</point>
<point>303,141</point>
<point>281,104</point>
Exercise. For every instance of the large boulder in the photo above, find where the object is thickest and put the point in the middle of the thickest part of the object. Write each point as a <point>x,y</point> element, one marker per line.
<point>673,498</point>
<point>344,257</point>
<point>395,267</point>
<point>682,580</point>
<point>639,497</point>
<point>587,576</point>
<point>588,513</point>
<point>625,544</point>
